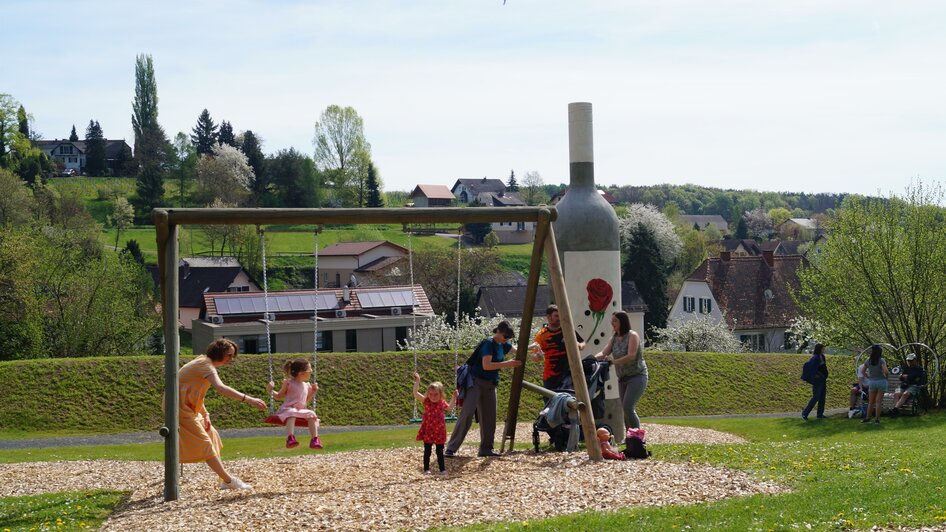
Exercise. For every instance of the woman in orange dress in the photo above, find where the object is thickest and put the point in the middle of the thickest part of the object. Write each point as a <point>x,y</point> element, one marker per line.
<point>199,440</point>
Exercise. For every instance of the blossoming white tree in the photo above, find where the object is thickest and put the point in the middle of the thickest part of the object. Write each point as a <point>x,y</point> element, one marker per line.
<point>224,175</point>
<point>701,334</point>
<point>668,242</point>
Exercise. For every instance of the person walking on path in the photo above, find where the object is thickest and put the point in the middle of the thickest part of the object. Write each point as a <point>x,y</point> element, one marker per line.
<point>481,397</point>
<point>199,440</point>
<point>876,372</point>
<point>625,351</point>
<point>819,382</point>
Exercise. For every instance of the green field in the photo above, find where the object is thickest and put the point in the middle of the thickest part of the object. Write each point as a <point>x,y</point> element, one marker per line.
<point>839,474</point>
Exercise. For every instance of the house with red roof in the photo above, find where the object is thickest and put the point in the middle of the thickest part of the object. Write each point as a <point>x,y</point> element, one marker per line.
<point>752,294</point>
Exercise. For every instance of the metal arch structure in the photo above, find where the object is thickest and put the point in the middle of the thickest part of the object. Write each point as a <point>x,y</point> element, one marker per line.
<point>883,345</point>
<point>935,359</point>
<point>167,228</point>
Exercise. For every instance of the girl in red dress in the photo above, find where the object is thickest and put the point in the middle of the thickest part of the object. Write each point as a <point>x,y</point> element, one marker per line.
<point>433,428</point>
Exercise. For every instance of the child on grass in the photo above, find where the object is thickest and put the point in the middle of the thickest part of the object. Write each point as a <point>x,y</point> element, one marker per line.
<point>433,427</point>
<point>297,393</point>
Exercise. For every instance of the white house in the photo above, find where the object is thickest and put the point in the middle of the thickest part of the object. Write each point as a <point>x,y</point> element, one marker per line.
<point>71,154</point>
<point>508,232</point>
<point>753,294</point>
<point>342,261</point>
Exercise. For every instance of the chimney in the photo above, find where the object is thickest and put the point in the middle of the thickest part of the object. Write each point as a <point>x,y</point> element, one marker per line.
<point>346,294</point>
<point>768,256</point>
<point>725,255</point>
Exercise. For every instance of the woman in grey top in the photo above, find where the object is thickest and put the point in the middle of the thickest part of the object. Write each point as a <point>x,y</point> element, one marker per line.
<point>875,372</point>
<point>626,353</point>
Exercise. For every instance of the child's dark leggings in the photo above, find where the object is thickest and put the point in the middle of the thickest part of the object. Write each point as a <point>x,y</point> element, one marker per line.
<point>427,449</point>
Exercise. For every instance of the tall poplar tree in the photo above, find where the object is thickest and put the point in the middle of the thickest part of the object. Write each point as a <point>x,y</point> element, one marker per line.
<point>253,150</point>
<point>144,109</point>
<point>24,121</point>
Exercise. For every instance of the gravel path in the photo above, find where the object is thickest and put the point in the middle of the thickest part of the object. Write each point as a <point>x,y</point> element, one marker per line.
<point>385,489</point>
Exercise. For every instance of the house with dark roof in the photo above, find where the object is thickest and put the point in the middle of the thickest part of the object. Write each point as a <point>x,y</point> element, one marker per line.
<point>468,190</point>
<point>363,319</point>
<point>510,301</point>
<point>702,221</point>
<point>604,194</point>
<point>200,275</point>
<point>71,154</point>
<point>432,196</point>
<point>750,248</point>
<point>343,262</point>
<point>752,294</point>
<point>508,232</point>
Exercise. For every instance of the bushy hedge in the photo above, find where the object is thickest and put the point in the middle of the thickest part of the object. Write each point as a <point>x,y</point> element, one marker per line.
<point>106,394</point>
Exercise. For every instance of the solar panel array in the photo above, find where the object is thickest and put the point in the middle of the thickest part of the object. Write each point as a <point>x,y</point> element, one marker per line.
<point>386,297</point>
<point>277,303</point>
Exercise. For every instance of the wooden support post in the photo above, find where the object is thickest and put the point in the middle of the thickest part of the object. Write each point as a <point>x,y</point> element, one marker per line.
<point>557,280</point>
<point>167,267</point>
<point>525,329</point>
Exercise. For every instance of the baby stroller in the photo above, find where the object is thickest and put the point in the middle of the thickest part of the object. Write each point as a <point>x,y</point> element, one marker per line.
<point>596,374</point>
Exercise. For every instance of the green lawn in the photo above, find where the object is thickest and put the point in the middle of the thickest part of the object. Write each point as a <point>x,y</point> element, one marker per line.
<point>842,475</point>
<point>58,511</point>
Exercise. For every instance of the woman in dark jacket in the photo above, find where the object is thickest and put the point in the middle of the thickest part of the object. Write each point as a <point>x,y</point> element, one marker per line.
<point>819,383</point>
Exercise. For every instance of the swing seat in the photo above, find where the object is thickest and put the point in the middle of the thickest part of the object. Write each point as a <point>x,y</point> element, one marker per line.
<point>274,420</point>
<point>414,420</point>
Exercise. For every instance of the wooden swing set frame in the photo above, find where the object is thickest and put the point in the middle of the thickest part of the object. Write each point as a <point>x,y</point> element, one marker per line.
<point>168,221</point>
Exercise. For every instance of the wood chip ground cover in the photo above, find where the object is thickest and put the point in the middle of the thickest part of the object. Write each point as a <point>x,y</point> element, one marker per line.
<point>385,489</point>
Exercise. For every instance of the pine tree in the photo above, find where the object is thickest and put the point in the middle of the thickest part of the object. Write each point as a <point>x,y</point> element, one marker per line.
<point>73,137</point>
<point>204,134</point>
<point>96,163</point>
<point>645,267</point>
<point>511,185</point>
<point>254,157</point>
<point>374,190</point>
<point>225,136</point>
<point>24,121</point>
<point>742,229</point>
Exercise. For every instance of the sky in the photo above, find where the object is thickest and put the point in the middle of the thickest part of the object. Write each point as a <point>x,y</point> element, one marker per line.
<point>806,95</point>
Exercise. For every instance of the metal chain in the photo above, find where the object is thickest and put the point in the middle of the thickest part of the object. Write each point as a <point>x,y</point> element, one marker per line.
<point>456,316</point>
<point>315,320</point>
<point>269,348</point>
<point>410,259</point>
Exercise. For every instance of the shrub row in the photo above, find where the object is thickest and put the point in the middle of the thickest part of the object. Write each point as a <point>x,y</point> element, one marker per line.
<point>108,394</point>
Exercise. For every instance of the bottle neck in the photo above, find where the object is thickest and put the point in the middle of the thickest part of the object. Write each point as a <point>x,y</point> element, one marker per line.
<point>581,175</point>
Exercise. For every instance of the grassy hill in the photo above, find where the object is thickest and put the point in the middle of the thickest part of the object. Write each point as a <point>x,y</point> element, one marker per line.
<point>124,393</point>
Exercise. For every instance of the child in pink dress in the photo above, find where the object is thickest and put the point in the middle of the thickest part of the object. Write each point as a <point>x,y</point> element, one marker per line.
<point>298,394</point>
<point>433,427</point>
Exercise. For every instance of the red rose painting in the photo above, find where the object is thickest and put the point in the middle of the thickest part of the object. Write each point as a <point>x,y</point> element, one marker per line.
<point>600,294</point>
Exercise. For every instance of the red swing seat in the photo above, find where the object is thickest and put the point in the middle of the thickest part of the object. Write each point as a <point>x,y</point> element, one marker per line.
<point>274,420</point>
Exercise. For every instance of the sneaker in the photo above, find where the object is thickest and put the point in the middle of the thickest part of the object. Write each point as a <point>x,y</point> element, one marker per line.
<point>489,454</point>
<point>895,412</point>
<point>426,471</point>
<point>876,422</point>
<point>291,442</point>
<point>822,417</point>
<point>235,484</point>
<point>315,443</point>
<point>443,473</point>
<point>850,414</point>
<point>804,417</point>
<point>865,420</point>
<point>450,454</point>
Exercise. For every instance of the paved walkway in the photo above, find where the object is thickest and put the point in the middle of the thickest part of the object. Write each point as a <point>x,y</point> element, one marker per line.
<point>154,437</point>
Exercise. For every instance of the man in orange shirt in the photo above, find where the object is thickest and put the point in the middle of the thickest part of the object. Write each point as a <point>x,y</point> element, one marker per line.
<point>550,344</point>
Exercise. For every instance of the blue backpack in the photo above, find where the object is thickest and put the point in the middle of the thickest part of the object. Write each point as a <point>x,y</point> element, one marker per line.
<point>464,375</point>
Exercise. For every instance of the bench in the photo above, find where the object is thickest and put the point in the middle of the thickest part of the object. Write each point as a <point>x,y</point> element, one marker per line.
<point>910,408</point>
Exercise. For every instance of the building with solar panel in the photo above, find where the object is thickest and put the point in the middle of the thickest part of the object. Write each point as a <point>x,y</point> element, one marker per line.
<point>364,319</point>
